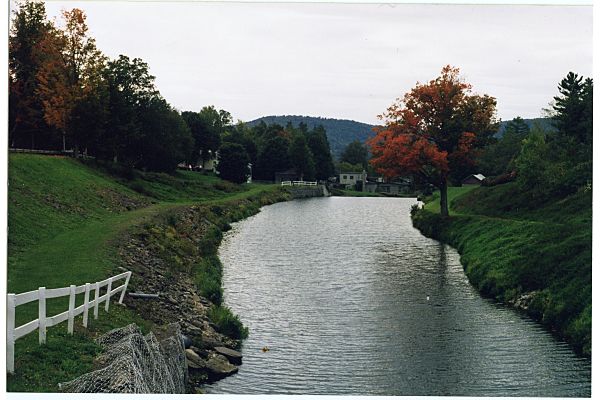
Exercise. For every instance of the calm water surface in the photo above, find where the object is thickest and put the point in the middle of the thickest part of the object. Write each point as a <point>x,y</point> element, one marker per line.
<point>351,299</point>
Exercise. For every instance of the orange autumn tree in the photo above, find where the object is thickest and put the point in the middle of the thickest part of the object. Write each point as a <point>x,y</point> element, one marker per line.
<point>70,69</point>
<point>434,131</point>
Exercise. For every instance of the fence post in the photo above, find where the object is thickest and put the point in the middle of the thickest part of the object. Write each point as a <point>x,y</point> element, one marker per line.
<point>125,287</point>
<point>71,309</point>
<point>10,333</point>
<point>42,314</point>
<point>97,298</point>
<point>109,288</point>
<point>86,300</point>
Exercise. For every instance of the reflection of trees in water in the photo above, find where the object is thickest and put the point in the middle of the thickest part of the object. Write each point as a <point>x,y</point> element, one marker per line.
<point>442,267</point>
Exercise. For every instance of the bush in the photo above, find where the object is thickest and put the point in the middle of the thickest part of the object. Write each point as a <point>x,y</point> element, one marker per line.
<point>227,323</point>
<point>208,278</point>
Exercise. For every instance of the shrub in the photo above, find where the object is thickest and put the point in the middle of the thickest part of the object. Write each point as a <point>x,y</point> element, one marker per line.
<point>208,278</point>
<point>227,322</point>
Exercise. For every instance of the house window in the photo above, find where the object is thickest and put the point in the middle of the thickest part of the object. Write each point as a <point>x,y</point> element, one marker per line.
<point>345,177</point>
<point>352,177</point>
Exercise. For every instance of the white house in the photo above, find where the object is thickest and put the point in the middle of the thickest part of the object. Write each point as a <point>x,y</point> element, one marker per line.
<point>350,178</point>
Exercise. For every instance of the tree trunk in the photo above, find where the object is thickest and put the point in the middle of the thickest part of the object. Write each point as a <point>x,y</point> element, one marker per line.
<point>444,196</point>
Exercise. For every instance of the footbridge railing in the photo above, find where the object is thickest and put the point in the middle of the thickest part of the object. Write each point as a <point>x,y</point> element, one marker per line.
<point>298,183</point>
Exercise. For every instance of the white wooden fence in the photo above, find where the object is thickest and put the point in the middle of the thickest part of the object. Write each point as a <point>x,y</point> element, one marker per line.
<point>43,322</point>
<point>298,183</point>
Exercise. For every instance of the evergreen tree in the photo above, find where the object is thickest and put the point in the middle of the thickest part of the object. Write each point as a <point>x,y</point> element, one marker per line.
<point>319,147</point>
<point>301,158</point>
<point>573,116</point>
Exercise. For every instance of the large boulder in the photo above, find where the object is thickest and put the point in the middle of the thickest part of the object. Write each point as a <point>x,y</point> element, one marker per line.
<point>234,357</point>
<point>219,367</point>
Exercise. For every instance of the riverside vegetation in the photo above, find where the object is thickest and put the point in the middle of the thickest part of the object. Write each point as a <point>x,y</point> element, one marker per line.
<point>534,255</point>
<point>72,223</point>
<point>525,237</point>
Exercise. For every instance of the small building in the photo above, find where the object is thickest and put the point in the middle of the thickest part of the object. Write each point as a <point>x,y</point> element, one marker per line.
<point>389,188</point>
<point>350,178</point>
<point>473,179</point>
<point>289,175</point>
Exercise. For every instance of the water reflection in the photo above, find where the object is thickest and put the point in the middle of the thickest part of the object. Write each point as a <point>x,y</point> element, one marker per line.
<point>338,289</point>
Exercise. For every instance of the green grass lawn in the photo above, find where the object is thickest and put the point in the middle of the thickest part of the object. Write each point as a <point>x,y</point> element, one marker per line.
<point>65,220</point>
<point>433,205</point>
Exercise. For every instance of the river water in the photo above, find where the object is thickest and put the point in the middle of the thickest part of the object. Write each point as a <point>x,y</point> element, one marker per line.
<point>351,299</point>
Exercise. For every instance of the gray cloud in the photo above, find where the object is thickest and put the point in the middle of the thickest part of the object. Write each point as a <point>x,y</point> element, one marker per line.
<point>341,60</point>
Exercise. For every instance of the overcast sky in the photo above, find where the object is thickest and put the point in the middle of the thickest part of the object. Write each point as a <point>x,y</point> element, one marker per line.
<point>341,60</point>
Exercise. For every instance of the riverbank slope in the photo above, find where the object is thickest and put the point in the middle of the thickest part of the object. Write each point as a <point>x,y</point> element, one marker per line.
<point>533,256</point>
<point>72,223</point>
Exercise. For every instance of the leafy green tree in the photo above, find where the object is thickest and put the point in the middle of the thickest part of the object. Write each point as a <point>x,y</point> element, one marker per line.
<point>89,119</point>
<point>130,86</point>
<point>233,162</point>
<point>301,158</point>
<point>538,174</point>
<point>207,127</point>
<point>344,166</point>
<point>166,138</point>
<point>241,134</point>
<point>319,147</point>
<point>355,153</point>
<point>273,157</point>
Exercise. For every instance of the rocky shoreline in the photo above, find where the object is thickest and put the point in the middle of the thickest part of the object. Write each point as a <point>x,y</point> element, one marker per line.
<point>162,254</point>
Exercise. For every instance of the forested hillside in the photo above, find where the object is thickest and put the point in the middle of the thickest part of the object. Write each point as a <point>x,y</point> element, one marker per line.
<point>340,132</point>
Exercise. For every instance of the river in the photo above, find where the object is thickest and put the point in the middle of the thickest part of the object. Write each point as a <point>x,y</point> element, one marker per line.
<point>349,298</point>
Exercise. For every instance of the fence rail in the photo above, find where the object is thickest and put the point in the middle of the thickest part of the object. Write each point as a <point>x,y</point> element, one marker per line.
<point>43,322</point>
<point>298,183</point>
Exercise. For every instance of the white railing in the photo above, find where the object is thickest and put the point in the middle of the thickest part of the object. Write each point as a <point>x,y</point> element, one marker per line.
<point>43,322</point>
<point>298,183</point>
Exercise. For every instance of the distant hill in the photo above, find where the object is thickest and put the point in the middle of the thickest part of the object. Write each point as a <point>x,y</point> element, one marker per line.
<point>340,132</point>
<point>545,123</point>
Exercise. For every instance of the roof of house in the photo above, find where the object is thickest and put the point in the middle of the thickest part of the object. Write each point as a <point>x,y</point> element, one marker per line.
<point>479,177</point>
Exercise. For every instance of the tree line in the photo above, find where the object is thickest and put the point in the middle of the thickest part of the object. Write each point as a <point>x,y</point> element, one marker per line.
<point>440,132</point>
<point>65,94</point>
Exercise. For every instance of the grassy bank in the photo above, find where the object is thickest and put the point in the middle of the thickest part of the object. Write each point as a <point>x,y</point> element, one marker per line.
<point>536,256</point>
<point>66,220</point>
